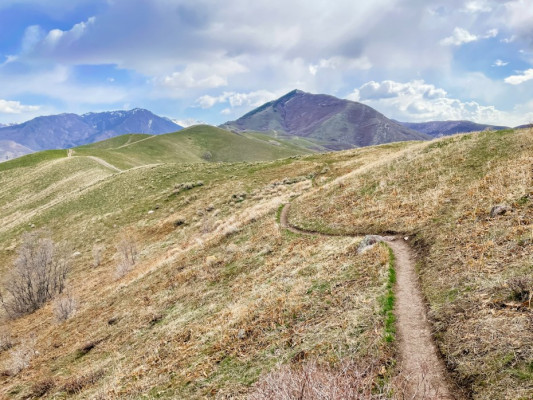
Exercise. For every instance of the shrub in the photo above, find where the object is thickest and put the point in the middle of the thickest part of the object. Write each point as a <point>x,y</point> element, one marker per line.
<point>127,249</point>
<point>76,385</point>
<point>6,342</point>
<point>65,307</point>
<point>127,255</point>
<point>22,355</point>
<point>123,268</point>
<point>41,388</point>
<point>39,273</point>
<point>521,287</point>
<point>97,255</point>
<point>313,381</point>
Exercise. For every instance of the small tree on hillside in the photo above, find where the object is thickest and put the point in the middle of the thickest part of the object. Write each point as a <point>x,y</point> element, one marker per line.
<point>127,249</point>
<point>39,273</point>
<point>127,254</point>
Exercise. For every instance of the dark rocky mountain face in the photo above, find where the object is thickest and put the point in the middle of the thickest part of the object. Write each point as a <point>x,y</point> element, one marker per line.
<point>445,128</point>
<point>334,123</point>
<point>69,130</point>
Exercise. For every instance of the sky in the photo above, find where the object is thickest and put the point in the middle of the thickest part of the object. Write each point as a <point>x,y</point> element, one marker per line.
<point>213,61</point>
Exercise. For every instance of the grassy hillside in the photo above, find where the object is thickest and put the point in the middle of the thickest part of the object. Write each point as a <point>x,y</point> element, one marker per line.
<point>476,269</point>
<point>201,143</point>
<point>220,294</point>
<point>117,141</point>
<point>221,297</point>
<point>32,159</point>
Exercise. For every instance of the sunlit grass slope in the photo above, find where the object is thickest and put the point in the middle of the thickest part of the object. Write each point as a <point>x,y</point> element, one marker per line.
<point>220,295</point>
<point>201,143</point>
<point>476,269</point>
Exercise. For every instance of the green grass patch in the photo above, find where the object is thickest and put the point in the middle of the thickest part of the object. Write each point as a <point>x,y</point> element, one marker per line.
<point>33,159</point>
<point>278,213</point>
<point>388,301</point>
<point>319,287</point>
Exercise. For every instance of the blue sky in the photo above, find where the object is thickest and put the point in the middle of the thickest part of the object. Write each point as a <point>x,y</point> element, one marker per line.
<point>413,60</point>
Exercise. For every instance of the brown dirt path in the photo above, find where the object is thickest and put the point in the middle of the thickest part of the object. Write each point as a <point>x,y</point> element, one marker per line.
<point>104,163</point>
<point>422,371</point>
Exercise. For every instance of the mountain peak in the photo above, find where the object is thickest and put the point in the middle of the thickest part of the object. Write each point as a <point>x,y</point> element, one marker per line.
<point>295,92</point>
<point>69,130</point>
<point>334,123</point>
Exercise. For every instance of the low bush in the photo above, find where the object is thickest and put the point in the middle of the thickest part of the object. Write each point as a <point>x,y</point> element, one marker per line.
<point>39,273</point>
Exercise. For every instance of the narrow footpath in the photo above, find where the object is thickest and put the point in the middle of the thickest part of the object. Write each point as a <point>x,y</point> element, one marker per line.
<point>104,163</point>
<point>422,371</point>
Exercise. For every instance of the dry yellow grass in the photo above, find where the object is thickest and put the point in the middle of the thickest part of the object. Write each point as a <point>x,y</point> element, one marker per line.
<point>214,300</point>
<point>442,194</point>
<point>220,295</point>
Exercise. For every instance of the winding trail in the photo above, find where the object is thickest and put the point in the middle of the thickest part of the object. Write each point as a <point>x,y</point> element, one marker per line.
<point>104,163</point>
<point>422,371</point>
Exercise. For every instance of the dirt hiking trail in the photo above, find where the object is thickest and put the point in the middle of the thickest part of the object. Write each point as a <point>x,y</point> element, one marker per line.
<point>423,375</point>
<point>104,163</point>
<point>422,368</point>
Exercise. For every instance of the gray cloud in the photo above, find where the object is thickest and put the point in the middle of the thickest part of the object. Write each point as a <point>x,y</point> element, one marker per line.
<point>186,49</point>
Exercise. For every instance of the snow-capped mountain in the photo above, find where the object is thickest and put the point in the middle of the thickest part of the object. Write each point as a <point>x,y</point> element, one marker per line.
<point>69,130</point>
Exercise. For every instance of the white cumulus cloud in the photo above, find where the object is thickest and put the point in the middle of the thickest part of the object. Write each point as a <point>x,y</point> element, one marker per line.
<point>520,78</point>
<point>15,107</point>
<point>499,63</point>
<point>420,101</point>
<point>341,63</point>
<point>58,36</point>
<point>234,99</point>
<point>477,6</point>
<point>202,76</point>
<point>459,37</point>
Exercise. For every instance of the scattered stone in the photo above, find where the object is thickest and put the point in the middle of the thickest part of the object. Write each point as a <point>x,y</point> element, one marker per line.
<point>210,207</point>
<point>76,254</point>
<point>266,250</point>
<point>238,197</point>
<point>179,222</point>
<point>406,238</point>
<point>500,209</point>
<point>232,248</point>
<point>151,212</point>
<point>241,334</point>
<point>210,260</point>
<point>368,242</point>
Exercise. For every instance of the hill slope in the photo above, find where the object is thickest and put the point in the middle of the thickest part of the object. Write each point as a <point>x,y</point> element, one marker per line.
<point>220,295</point>
<point>70,130</point>
<point>446,128</point>
<point>197,144</point>
<point>332,122</point>
<point>200,143</point>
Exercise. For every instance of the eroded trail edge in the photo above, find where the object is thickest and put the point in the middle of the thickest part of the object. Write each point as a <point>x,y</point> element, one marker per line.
<point>422,370</point>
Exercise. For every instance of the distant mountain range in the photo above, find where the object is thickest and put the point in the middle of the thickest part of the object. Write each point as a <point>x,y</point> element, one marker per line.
<point>315,122</point>
<point>70,130</point>
<point>445,128</point>
<point>333,123</point>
